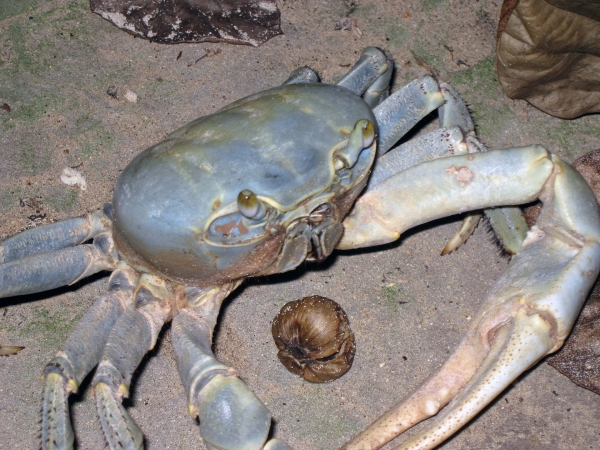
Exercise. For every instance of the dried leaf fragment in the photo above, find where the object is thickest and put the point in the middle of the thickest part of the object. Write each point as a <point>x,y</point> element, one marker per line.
<point>249,22</point>
<point>421,62</point>
<point>348,24</point>
<point>583,7</point>
<point>314,339</point>
<point>550,56</point>
<point>73,177</point>
<point>580,357</point>
<point>208,53</point>
<point>8,350</point>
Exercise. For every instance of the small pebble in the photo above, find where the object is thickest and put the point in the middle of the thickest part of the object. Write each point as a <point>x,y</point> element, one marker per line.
<point>130,96</point>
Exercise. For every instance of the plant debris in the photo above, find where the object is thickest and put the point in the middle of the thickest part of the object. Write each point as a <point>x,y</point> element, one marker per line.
<point>548,54</point>
<point>348,24</point>
<point>421,62</point>
<point>208,53</point>
<point>73,177</point>
<point>8,350</point>
<point>112,92</point>
<point>579,359</point>
<point>314,339</point>
<point>249,22</point>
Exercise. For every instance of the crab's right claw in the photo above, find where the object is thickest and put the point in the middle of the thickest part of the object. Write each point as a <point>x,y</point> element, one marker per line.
<point>528,314</point>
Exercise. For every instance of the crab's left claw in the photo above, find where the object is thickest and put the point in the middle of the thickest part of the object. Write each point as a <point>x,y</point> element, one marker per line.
<point>531,309</point>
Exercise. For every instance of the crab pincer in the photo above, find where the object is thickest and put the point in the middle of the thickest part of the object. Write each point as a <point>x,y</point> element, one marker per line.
<point>530,310</point>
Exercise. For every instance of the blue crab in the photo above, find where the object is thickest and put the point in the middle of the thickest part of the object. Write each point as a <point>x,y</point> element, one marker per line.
<point>286,176</point>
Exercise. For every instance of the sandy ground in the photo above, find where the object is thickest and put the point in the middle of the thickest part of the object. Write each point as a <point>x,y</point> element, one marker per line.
<point>407,305</point>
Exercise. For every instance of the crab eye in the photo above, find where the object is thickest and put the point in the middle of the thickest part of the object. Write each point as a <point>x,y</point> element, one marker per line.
<point>361,137</point>
<point>368,131</point>
<point>250,206</point>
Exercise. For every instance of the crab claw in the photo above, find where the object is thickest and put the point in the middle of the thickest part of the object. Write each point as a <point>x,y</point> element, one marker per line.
<point>527,315</point>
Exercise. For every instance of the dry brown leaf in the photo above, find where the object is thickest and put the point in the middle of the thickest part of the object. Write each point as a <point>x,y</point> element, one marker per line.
<point>550,56</point>
<point>249,22</point>
<point>580,357</point>
<point>582,7</point>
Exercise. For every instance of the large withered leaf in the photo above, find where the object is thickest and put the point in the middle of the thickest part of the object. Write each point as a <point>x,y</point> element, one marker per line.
<point>249,22</point>
<point>579,359</point>
<point>586,8</point>
<point>550,56</point>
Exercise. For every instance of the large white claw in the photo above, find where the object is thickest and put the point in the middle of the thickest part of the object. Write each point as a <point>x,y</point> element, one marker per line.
<point>527,315</point>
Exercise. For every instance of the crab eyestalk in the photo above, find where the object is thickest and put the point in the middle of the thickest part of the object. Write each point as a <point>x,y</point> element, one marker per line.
<point>250,206</point>
<point>362,137</point>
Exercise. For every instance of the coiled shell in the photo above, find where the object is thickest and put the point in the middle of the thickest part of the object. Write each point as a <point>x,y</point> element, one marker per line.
<point>314,339</point>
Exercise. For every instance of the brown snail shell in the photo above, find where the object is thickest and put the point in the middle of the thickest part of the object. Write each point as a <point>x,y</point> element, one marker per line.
<point>314,339</point>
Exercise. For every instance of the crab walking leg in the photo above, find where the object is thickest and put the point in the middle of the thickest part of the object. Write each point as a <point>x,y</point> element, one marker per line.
<point>55,236</point>
<point>133,335</point>
<point>508,222</point>
<point>510,226</point>
<point>231,417</point>
<point>57,268</point>
<point>81,353</point>
<point>440,143</point>
<point>403,110</point>
<point>437,144</point>
<point>302,75</point>
<point>399,113</point>
<point>370,77</point>
<point>528,314</point>
<point>454,113</point>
